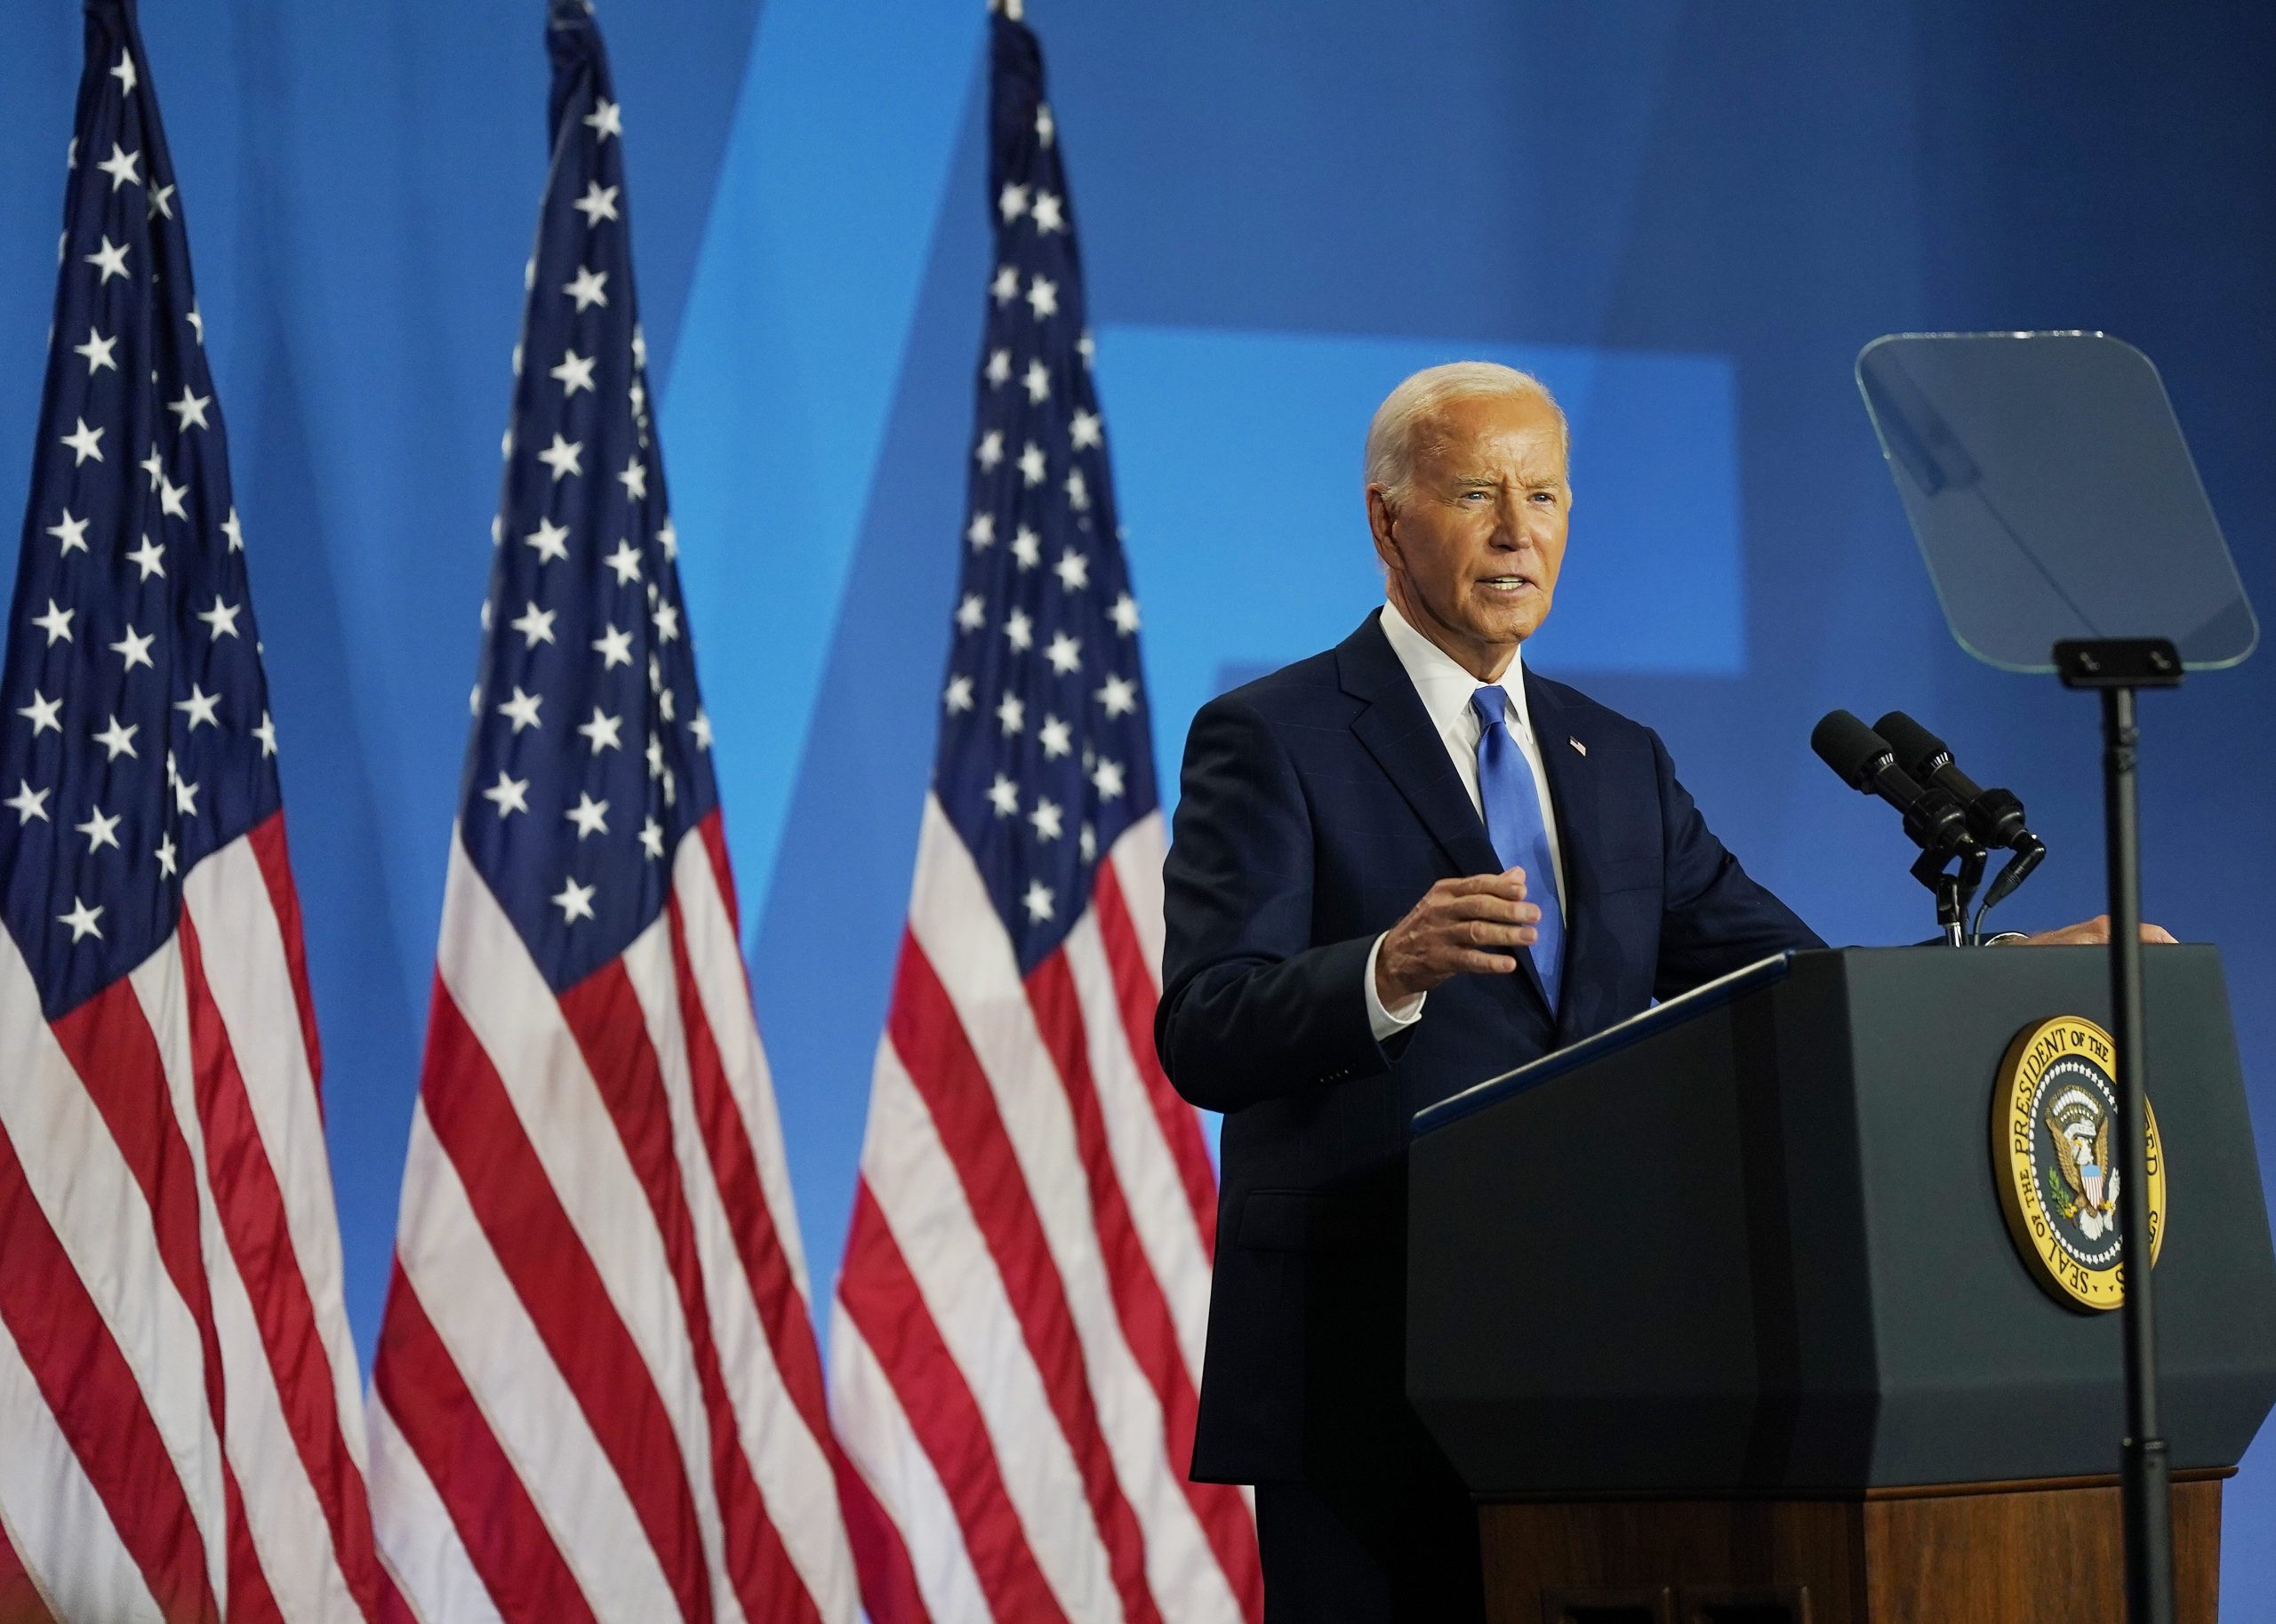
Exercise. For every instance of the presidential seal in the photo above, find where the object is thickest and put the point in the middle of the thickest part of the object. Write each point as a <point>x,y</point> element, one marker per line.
<point>2055,1156</point>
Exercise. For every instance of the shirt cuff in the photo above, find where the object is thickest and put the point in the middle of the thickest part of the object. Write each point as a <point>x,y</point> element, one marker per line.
<point>1388,1022</point>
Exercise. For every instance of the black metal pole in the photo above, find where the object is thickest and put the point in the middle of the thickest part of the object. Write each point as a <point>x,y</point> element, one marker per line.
<point>2144,1475</point>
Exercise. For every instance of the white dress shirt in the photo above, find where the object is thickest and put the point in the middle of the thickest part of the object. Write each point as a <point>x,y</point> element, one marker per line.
<point>1445,689</point>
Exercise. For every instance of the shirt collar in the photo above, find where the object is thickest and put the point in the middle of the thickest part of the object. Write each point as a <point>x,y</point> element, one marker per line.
<point>1443,686</point>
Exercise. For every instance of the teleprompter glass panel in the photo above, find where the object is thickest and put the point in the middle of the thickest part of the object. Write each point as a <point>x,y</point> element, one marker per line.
<point>2053,495</point>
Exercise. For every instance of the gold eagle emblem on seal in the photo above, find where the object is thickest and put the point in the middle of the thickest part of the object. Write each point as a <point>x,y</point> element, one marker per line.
<point>2054,1139</point>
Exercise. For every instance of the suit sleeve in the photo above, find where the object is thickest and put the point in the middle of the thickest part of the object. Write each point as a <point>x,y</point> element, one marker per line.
<point>1718,918</point>
<point>1251,1008</point>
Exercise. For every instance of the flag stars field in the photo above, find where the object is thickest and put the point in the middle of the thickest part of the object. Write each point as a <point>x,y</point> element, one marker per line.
<point>575,901</point>
<point>109,259</point>
<point>599,204</point>
<point>590,816</point>
<point>42,713</point>
<point>122,167</point>
<point>99,830</point>
<point>56,623</point>
<point>82,921</point>
<point>576,372</point>
<point>549,540</point>
<point>587,288</point>
<point>535,624</point>
<point>118,741</point>
<point>134,649</point>
<point>189,412</point>
<point>614,647</point>
<point>203,710</point>
<point>221,620</point>
<point>522,708</point>
<point>563,457</point>
<point>86,444</point>
<point>99,351</point>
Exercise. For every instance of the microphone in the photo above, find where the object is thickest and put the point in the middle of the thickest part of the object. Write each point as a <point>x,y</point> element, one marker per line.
<point>1933,818</point>
<point>1994,816</point>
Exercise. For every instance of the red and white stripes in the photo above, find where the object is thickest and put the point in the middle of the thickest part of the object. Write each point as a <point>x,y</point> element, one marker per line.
<point>1016,1340</point>
<point>597,1395</point>
<point>177,1386</point>
<point>597,1392</point>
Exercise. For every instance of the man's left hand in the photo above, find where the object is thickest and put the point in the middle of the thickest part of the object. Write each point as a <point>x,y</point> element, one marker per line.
<point>2088,933</point>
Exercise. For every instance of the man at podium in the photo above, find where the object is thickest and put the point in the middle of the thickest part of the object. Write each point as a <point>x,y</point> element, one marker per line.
<point>1401,866</point>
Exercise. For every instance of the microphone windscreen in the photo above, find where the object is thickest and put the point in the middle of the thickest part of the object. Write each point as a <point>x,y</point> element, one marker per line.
<point>1915,745</point>
<point>1849,747</point>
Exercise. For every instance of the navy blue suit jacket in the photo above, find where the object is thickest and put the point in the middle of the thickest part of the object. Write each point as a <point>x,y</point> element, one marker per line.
<point>1318,804</point>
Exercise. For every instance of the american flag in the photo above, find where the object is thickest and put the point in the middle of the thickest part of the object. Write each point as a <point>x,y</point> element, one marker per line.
<point>1016,1340</point>
<point>180,1432</point>
<point>597,1394</point>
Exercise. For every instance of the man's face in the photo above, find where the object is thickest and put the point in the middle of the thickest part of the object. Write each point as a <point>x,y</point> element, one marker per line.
<point>1473,544</point>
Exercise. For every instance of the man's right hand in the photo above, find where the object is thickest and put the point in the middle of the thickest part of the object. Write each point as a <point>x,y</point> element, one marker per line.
<point>1460,927</point>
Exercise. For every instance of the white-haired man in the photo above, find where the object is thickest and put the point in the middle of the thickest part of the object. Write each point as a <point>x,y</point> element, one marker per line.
<point>1401,866</point>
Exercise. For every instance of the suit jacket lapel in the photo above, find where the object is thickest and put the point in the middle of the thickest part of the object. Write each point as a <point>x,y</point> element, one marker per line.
<point>1398,733</point>
<point>1573,792</point>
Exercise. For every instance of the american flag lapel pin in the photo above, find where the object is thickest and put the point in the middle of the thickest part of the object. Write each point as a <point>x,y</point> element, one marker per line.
<point>1578,746</point>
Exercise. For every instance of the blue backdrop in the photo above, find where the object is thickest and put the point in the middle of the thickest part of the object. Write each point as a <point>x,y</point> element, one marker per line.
<point>1688,217</point>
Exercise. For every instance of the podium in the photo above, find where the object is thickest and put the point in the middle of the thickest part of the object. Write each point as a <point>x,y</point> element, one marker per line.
<point>1721,1317</point>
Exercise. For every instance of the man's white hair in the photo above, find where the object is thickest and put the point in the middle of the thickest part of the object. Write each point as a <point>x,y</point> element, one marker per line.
<point>1402,425</point>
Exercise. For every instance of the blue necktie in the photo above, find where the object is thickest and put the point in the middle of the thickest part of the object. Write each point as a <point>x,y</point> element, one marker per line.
<point>1513,823</point>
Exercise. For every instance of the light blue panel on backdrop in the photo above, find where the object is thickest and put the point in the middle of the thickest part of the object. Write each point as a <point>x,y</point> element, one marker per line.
<point>1237,465</point>
<point>778,399</point>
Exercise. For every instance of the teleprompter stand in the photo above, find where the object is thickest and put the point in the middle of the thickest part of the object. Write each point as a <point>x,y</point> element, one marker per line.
<point>2116,668</point>
<point>2057,508</point>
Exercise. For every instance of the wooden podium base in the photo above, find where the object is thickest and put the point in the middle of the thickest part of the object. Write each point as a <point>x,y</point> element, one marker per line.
<point>2049,1552</point>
